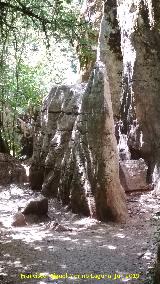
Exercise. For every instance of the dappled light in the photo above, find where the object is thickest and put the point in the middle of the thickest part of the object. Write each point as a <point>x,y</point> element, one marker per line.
<point>26,169</point>
<point>38,248</point>
<point>120,236</point>
<point>79,142</point>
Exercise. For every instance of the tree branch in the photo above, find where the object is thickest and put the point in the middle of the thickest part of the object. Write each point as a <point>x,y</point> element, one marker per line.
<point>24,11</point>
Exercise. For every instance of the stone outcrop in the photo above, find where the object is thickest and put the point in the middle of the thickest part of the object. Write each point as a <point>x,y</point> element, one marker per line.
<point>75,156</point>
<point>11,170</point>
<point>146,85</point>
<point>110,31</point>
<point>37,207</point>
<point>133,175</point>
<point>75,153</point>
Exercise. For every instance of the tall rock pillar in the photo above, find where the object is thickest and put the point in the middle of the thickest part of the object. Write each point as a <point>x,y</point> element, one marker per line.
<point>77,146</point>
<point>146,86</point>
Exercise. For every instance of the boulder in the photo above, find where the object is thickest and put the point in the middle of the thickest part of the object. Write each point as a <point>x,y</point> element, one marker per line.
<point>19,220</point>
<point>11,170</point>
<point>37,207</point>
<point>133,175</point>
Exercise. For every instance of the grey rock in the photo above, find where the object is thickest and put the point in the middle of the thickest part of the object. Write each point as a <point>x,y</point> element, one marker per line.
<point>75,152</point>
<point>146,87</point>
<point>133,175</point>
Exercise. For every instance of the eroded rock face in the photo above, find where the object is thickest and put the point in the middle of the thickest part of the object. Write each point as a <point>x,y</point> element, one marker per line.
<point>146,85</point>
<point>11,170</point>
<point>77,149</point>
<point>104,22</point>
<point>112,52</point>
<point>75,154</point>
<point>133,175</point>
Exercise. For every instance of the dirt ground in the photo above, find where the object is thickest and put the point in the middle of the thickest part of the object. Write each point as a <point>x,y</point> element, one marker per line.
<point>81,250</point>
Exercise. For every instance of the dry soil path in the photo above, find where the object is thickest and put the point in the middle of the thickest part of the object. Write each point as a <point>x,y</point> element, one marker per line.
<point>91,248</point>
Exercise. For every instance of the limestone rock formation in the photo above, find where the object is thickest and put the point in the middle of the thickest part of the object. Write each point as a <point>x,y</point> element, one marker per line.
<point>37,207</point>
<point>146,85</point>
<point>133,175</point>
<point>75,153</point>
<point>11,170</point>
<point>76,150</point>
<point>106,23</point>
<point>110,47</point>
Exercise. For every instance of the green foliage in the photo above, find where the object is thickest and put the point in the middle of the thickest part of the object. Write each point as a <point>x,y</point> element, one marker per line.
<point>57,18</point>
<point>20,98</point>
<point>34,36</point>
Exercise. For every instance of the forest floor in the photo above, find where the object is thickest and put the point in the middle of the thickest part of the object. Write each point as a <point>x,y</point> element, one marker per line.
<point>124,252</point>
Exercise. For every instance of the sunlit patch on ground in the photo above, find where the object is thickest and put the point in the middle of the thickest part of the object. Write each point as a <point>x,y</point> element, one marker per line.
<point>91,246</point>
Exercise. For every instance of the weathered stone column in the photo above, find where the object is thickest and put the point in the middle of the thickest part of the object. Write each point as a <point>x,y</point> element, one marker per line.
<point>78,149</point>
<point>146,84</point>
<point>113,54</point>
<point>112,37</point>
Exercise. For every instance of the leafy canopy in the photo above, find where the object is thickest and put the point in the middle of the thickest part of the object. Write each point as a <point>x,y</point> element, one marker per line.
<point>26,23</point>
<point>57,18</point>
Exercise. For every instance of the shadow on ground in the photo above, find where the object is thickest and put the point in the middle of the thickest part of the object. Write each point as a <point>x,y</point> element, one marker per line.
<point>116,253</point>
